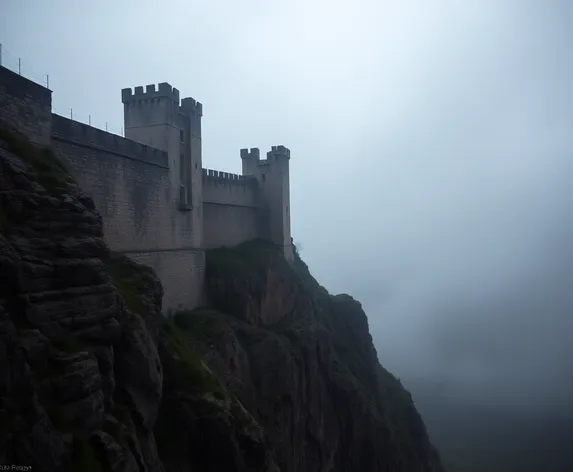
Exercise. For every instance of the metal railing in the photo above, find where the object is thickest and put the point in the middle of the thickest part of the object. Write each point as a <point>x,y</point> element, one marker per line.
<point>16,64</point>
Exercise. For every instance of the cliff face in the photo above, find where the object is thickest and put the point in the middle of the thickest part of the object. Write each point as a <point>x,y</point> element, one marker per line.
<point>80,376</point>
<point>273,375</point>
<point>303,363</point>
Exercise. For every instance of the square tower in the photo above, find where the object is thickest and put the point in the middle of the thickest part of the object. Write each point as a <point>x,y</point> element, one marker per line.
<point>273,175</point>
<point>154,117</point>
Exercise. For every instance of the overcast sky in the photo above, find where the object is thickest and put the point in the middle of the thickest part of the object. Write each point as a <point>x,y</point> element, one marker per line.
<point>431,144</point>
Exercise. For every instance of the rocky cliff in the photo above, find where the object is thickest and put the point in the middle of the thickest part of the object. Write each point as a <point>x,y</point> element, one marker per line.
<point>273,375</point>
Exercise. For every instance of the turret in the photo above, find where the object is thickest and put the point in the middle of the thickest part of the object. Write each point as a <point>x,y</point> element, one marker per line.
<point>250,160</point>
<point>190,113</point>
<point>279,152</point>
<point>273,177</point>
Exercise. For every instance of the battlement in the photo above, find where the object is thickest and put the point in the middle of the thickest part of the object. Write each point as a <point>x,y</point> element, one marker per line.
<point>225,188</point>
<point>254,154</point>
<point>227,176</point>
<point>279,151</point>
<point>163,90</point>
<point>190,106</point>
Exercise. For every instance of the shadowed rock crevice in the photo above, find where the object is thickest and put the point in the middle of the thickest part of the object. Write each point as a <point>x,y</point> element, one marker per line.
<point>68,341</point>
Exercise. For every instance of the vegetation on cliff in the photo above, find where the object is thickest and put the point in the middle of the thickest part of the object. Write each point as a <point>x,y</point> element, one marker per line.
<point>272,374</point>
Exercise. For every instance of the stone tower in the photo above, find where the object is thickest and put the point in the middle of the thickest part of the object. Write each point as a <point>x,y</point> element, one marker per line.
<point>156,118</point>
<point>272,174</point>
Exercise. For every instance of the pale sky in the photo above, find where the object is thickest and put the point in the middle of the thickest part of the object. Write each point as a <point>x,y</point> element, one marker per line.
<point>431,153</point>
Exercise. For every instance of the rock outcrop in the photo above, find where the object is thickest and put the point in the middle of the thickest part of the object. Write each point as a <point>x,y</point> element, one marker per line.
<point>303,364</point>
<point>80,376</point>
<point>273,375</point>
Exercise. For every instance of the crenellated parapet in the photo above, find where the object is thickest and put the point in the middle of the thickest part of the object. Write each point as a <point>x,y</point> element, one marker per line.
<point>229,177</point>
<point>225,188</point>
<point>163,90</point>
<point>252,154</point>
<point>189,106</point>
<point>252,157</point>
<point>278,151</point>
<point>221,175</point>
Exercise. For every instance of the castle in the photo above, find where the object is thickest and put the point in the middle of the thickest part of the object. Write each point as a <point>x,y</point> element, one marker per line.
<point>158,204</point>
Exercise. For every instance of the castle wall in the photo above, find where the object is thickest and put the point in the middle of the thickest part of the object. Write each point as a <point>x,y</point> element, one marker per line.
<point>158,205</point>
<point>229,189</point>
<point>130,184</point>
<point>232,213</point>
<point>272,175</point>
<point>25,106</point>
<point>225,225</point>
<point>130,189</point>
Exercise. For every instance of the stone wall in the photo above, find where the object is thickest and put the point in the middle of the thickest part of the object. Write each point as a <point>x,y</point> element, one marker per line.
<point>226,225</point>
<point>182,275</point>
<point>25,106</point>
<point>131,186</point>
<point>128,182</point>
<point>231,209</point>
<point>137,187</point>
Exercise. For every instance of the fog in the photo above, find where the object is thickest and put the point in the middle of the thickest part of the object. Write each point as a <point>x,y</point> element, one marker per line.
<point>431,145</point>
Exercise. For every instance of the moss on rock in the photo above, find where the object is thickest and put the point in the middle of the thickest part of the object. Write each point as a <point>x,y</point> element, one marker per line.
<point>187,370</point>
<point>42,162</point>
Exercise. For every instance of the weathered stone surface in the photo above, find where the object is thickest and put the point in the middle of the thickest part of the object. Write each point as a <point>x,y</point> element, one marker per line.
<point>138,365</point>
<point>114,457</point>
<point>62,322</point>
<point>303,363</point>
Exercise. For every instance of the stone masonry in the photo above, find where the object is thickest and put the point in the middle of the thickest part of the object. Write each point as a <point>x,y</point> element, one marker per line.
<point>159,205</point>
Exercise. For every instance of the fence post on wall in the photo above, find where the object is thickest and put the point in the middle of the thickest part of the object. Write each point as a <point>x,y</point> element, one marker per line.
<point>106,126</point>
<point>71,114</point>
<point>89,120</point>
<point>19,66</point>
<point>0,54</point>
<point>47,81</point>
